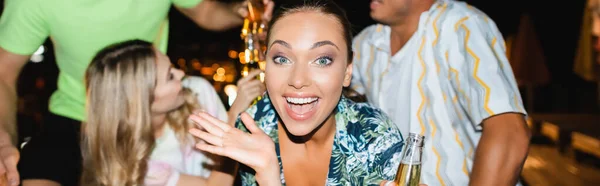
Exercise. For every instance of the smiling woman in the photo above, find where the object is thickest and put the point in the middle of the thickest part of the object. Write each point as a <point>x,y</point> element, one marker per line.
<point>304,124</point>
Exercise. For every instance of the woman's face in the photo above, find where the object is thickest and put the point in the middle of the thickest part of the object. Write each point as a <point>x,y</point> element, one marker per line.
<point>307,67</point>
<point>167,94</point>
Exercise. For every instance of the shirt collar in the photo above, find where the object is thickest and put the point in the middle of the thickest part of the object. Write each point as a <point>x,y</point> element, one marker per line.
<point>380,38</point>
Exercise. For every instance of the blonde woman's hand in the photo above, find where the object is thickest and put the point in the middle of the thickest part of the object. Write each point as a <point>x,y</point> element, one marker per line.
<point>249,88</point>
<point>255,149</point>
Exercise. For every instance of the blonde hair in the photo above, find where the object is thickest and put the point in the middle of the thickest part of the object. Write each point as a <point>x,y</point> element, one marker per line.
<point>118,136</point>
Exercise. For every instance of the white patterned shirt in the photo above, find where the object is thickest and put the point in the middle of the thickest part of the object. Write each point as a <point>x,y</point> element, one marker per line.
<point>451,75</point>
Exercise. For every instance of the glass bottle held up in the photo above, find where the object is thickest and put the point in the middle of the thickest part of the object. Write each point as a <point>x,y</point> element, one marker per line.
<point>409,171</point>
<point>253,55</point>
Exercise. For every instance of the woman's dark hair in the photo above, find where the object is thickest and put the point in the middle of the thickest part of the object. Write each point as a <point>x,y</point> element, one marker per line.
<point>328,7</point>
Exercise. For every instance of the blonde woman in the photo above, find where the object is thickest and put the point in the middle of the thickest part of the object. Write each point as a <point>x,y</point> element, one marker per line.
<point>136,131</point>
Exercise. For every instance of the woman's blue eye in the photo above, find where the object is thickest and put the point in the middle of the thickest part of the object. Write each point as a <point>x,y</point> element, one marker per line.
<point>280,60</point>
<point>324,61</point>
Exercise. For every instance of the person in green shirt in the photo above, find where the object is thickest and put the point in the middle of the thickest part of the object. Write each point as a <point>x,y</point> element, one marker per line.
<point>79,29</point>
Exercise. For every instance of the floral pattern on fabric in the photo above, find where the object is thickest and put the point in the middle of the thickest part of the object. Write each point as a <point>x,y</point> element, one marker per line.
<point>366,149</point>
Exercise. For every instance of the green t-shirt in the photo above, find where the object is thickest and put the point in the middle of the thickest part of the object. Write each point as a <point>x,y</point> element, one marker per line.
<point>78,30</point>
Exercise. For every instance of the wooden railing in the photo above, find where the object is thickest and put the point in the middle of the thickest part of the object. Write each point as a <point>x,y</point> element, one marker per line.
<point>577,131</point>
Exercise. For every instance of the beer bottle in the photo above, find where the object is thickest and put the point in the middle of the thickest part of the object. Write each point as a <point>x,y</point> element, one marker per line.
<point>409,171</point>
<point>253,26</point>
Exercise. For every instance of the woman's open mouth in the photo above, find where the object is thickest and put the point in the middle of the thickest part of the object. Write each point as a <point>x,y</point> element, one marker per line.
<point>301,108</point>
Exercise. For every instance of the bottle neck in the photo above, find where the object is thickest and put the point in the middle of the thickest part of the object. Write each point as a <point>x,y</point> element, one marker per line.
<point>412,154</point>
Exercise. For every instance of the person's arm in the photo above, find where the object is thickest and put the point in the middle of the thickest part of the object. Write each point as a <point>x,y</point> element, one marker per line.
<point>216,15</point>
<point>11,65</point>
<point>249,88</point>
<point>482,76</point>
<point>502,150</point>
<point>22,31</point>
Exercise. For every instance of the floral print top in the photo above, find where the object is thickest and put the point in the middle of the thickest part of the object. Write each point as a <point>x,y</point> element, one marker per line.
<point>366,149</point>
